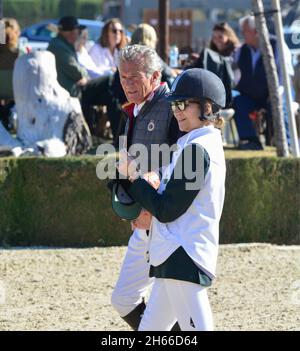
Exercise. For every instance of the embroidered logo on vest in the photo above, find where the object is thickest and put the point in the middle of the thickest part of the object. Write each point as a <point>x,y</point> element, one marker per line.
<point>151,126</point>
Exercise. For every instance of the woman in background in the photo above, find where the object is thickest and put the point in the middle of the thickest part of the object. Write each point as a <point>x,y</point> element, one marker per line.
<point>105,52</point>
<point>224,40</point>
<point>146,35</point>
<point>218,58</point>
<point>10,51</point>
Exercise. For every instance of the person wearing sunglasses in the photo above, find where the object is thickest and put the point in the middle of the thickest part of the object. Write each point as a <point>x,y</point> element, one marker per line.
<point>105,51</point>
<point>186,209</point>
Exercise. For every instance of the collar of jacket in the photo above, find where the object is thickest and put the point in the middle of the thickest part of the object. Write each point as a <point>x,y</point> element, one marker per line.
<point>128,107</point>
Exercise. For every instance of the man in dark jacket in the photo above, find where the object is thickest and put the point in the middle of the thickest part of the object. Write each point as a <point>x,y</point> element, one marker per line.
<point>149,121</point>
<point>70,74</point>
<point>252,85</point>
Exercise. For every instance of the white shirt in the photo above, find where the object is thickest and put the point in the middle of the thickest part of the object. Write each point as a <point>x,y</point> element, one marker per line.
<point>87,62</point>
<point>137,107</point>
<point>103,58</point>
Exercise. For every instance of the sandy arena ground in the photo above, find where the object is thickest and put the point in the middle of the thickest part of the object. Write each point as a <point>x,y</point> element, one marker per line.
<point>257,288</point>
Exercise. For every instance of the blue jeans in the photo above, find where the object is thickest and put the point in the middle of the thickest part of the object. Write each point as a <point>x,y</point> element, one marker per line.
<point>243,106</point>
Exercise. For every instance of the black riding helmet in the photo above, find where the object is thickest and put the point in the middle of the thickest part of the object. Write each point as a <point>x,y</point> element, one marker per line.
<point>200,84</point>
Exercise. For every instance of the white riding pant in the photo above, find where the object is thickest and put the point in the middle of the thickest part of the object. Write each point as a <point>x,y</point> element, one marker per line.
<point>134,282</point>
<point>175,300</point>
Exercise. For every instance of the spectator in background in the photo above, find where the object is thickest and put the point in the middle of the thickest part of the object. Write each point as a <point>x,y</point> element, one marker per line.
<point>224,40</point>
<point>75,78</point>
<point>218,57</point>
<point>9,52</point>
<point>70,74</point>
<point>253,86</point>
<point>105,52</point>
<point>146,35</point>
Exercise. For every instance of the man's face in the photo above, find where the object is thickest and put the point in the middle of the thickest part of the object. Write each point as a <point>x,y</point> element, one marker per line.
<point>71,36</point>
<point>136,85</point>
<point>74,35</point>
<point>250,35</point>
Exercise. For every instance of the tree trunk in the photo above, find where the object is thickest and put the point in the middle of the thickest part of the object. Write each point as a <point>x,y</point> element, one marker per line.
<point>2,27</point>
<point>163,16</point>
<point>272,78</point>
<point>286,79</point>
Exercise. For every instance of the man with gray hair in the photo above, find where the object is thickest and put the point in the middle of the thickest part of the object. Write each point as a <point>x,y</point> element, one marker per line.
<point>149,121</point>
<point>253,86</point>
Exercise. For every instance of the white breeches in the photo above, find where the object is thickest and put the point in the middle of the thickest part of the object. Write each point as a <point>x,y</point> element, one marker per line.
<point>175,300</point>
<point>134,282</point>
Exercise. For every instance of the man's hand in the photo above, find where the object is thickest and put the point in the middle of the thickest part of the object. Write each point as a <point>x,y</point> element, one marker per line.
<point>143,221</point>
<point>81,82</point>
<point>127,166</point>
<point>153,179</point>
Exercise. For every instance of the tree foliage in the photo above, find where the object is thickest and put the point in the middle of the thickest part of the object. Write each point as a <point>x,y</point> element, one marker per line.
<point>28,12</point>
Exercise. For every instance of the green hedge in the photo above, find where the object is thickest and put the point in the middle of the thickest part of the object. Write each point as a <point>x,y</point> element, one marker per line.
<point>57,202</point>
<point>262,202</point>
<point>61,202</point>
